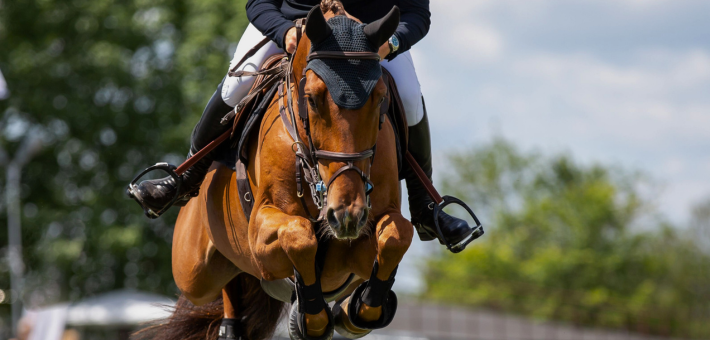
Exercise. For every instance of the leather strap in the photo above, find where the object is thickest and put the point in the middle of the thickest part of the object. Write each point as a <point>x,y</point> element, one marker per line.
<point>248,55</point>
<point>345,168</point>
<point>343,55</point>
<point>344,157</point>
<point>246,196</point>
<point>200,154</point>
<point>431,190</point>
<point>269,71</point>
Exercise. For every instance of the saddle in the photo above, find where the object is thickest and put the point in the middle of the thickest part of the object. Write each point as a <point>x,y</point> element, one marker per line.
<point>249,117</point>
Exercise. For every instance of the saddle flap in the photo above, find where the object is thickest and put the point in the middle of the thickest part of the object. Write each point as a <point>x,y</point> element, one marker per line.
<point>397,117</point>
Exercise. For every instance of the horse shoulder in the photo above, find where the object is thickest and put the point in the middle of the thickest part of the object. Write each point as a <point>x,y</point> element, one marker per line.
<point>222,216</point>
<point>386,195</point>
<point>273,170</point>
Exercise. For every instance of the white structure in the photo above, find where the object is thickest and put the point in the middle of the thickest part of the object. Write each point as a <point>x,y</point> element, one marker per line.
<point>123,308</point>
<point>3,88</point>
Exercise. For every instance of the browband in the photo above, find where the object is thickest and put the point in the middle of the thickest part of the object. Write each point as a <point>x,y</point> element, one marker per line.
<point>343,55</point>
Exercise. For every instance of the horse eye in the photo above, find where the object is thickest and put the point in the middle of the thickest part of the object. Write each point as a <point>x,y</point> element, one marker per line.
<point>311,102</point>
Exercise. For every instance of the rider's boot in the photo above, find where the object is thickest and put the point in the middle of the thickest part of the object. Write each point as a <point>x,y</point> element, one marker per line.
<point>457,233</point>
<point>157,193</point>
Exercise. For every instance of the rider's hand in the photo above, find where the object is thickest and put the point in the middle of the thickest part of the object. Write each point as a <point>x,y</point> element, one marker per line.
<point>384,50</point>
<point>290,40</point>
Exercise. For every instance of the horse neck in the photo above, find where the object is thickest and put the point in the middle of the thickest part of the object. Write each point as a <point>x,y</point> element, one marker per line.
<point>299,64</point>
<point>300,59</point>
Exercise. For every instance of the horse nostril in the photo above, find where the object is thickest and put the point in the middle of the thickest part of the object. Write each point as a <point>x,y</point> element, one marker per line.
<point>363,219</point>
<point>332,220</point>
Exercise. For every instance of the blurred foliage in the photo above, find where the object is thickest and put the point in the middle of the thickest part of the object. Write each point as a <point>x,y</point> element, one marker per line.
<point>111,86</point>
<point>576,243</point>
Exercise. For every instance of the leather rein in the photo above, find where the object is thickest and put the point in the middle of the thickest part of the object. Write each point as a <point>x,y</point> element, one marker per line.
<point>307,156</point>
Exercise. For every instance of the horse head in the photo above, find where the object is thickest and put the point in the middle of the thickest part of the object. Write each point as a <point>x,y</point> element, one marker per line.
<point>342,99</point>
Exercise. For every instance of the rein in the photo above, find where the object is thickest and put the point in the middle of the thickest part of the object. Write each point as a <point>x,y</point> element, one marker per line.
<point>307,155</point>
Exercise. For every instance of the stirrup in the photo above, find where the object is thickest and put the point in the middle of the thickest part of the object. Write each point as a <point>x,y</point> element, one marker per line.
<point>475,233</point>
<point>162,166</point>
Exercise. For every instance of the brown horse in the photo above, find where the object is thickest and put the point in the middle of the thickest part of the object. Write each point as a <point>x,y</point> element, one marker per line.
<point>217,252</point>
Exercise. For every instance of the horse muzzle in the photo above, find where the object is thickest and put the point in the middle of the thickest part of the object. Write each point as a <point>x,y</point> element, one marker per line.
<point>347,222</point>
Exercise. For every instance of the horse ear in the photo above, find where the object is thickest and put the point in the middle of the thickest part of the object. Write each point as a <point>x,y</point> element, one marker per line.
<point>317,28</point>
<point>378,32</point>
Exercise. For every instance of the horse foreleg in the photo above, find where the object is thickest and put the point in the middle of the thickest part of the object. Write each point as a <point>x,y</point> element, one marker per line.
<point>394,236</point>
<point>282,242</point>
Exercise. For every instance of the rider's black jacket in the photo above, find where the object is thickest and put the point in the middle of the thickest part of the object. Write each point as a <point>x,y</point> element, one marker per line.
<point>274,17</point>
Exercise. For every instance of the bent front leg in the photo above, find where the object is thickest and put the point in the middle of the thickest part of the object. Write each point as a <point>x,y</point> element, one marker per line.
<point>282,244</point>
<point>372,305</point>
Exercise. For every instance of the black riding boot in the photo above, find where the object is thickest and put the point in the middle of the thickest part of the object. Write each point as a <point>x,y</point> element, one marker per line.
<point>157,193</point>
<point>456,231</point>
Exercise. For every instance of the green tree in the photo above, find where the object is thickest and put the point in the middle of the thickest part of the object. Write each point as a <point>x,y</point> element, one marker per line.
<point>113,86</point>
<point>571,242</point>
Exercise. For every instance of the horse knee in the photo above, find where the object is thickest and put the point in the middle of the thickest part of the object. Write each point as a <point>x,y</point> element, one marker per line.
<point>393,247</point>
<point>298,240</point>
<point>395,236</point>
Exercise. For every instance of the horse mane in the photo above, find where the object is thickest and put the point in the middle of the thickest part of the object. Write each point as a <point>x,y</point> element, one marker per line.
<point>334,6</point>
<point>331,8</point>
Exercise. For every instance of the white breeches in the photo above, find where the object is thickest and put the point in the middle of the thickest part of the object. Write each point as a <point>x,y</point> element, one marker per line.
<point>401,68</point>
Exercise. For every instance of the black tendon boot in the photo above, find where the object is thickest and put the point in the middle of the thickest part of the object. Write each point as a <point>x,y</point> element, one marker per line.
<point>308,300</point>
<point>456,231</point>
<point>230,329</point>
<point>156,194</point>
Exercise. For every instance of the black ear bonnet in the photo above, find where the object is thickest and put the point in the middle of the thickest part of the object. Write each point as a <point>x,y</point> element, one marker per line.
<point>349,81</point>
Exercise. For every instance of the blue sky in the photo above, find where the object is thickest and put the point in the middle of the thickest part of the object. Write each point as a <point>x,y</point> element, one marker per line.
<point>621,82</point>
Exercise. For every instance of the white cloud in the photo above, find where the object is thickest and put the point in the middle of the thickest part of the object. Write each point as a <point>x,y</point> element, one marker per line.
<point>590,77</point>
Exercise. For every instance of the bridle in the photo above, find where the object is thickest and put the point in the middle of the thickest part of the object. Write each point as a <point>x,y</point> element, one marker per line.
<point>307,155</point>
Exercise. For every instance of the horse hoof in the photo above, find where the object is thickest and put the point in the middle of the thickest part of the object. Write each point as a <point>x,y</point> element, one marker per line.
<point>230,329</point>
<point>297,325</point>
<point>339,316</point>
<point>389,308</point>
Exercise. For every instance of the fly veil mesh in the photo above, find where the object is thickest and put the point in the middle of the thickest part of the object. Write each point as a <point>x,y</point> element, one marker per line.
<point>349,81</point>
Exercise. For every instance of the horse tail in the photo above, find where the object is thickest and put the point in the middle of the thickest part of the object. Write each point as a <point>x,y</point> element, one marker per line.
<point>188,322</point>
<point>259,312</point>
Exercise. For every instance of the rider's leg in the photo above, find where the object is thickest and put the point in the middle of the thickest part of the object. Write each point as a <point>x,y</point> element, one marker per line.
<point>156,194</point>
<point>456,231</point>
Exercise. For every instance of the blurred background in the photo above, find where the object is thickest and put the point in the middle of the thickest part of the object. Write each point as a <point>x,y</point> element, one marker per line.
<point>579,131</point>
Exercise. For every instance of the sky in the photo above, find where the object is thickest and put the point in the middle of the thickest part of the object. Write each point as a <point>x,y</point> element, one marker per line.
<point>618,82</point>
